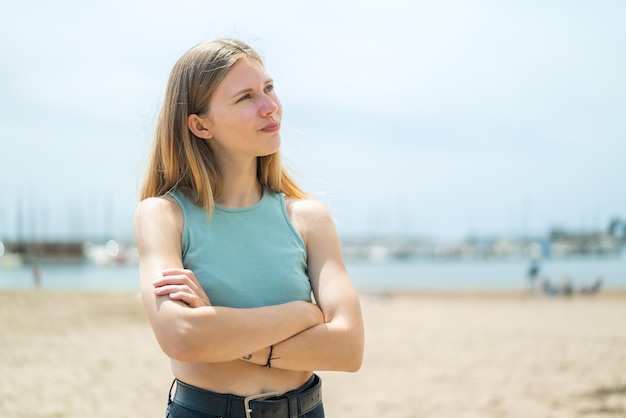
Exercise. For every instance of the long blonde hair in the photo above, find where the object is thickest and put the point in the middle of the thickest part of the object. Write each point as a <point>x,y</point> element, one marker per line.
<point>179,159</point>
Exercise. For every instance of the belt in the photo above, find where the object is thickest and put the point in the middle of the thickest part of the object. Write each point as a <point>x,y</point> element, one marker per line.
<point>289,405</point>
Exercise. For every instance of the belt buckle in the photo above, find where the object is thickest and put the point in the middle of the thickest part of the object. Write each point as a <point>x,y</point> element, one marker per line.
<point>246,401</point>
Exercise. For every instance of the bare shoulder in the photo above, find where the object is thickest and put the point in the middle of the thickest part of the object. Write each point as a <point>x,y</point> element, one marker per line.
<point>157,206</point>
<point>306,209</point>
<point>309,216</point>
<point>160,213</point>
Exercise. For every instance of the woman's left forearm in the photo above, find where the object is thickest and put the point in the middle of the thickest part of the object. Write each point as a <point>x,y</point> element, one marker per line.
<point>336,346</point>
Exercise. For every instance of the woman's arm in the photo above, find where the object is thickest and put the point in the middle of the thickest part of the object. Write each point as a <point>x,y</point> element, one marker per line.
<point>338,344</point>
<point>204,333</point>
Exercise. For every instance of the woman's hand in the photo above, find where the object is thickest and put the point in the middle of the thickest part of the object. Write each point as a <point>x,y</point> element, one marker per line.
<point>181,284</point>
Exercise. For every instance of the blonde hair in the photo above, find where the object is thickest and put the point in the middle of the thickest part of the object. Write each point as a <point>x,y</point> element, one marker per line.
<point>179,159</point>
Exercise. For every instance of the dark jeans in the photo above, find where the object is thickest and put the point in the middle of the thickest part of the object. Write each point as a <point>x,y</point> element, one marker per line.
<point>185,407</point>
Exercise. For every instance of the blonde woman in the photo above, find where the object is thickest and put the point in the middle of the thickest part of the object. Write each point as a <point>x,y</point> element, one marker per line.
<point>241,273</point>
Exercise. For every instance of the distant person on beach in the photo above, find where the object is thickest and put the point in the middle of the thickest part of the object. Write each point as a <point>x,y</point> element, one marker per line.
<point>241,272</point>
<point>592,288</point>
<point>566,286</point>
<point>533,273</point>
<point>37,276</point>
<point>548,288</point>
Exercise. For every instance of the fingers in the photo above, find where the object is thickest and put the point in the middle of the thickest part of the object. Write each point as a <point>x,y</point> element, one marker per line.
<point>178,277</point>
<point>174,280</point>
<point>190,299</point>
<point>181,284</point>
<point>178,274</point>
<point>169,289</point>
<point>176,271</point>
<point>183,293</point>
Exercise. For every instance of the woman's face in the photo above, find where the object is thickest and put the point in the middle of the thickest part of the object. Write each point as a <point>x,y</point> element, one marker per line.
<point>244,113</point>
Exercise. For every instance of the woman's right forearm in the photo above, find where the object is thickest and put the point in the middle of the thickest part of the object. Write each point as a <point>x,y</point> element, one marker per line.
<point>219,334</point>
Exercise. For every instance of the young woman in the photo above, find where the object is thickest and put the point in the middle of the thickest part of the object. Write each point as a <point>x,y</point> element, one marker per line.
<point>242,275</point>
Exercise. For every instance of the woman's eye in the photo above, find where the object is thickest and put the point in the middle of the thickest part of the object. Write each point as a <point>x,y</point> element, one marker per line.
<point>244,97</point>
<point>269,87</point>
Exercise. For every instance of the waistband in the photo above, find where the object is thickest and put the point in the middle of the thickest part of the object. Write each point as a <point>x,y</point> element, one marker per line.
<point>288,405</point>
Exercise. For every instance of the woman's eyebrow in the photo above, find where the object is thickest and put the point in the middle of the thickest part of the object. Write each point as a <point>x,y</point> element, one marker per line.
<point>249,89</point>
<point>243,91</point>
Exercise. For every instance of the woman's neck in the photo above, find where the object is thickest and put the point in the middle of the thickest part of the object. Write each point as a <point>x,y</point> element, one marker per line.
<point>240,187</point>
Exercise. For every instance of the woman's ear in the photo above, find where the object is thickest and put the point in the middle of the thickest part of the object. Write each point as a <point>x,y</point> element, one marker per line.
<point>199,126</point>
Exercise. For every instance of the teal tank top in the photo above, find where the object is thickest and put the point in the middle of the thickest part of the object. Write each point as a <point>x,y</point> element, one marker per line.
<point>245,257</point>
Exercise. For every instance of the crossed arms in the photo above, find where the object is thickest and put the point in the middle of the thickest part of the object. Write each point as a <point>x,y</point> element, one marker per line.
<point>327,335</point>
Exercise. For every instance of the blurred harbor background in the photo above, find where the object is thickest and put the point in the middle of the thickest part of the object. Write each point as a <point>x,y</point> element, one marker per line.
<point>380,264</point>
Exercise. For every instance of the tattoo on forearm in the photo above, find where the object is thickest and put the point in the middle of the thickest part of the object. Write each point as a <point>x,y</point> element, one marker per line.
<point>248,357</point>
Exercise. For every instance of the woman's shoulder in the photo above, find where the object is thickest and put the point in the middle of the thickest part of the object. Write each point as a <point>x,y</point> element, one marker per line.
<point>309,207</point>
<point>158,210</point>
<point>158,204</point>
<point>307,214</point>
<point>158,226</point>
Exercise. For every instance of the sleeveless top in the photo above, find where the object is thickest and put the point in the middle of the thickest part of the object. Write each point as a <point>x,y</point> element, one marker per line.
<point>245,257</point>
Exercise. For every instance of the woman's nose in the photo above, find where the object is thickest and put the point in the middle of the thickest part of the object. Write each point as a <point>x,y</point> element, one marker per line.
<point>270,105</point>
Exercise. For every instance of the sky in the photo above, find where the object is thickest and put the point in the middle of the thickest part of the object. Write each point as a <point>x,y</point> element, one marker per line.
<point>441,120</point>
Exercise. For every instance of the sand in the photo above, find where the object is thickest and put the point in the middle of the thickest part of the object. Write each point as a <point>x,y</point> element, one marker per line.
<point>71,354</point>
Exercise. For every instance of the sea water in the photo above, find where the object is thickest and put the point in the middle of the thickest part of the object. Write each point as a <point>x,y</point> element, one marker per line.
<point>393,275</point>
<point>480,275</point>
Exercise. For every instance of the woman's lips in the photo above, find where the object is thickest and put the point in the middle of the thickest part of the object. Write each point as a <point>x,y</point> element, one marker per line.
<point>271,128</point>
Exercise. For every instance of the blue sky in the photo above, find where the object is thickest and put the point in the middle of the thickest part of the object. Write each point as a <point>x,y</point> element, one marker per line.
<point>435,119</point>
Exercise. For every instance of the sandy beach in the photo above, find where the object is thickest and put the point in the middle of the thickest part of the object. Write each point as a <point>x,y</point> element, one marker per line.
<point>485,355</point>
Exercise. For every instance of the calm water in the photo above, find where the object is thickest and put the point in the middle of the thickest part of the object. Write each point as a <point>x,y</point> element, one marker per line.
<point>369,276</point>
<point>484,275</point>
